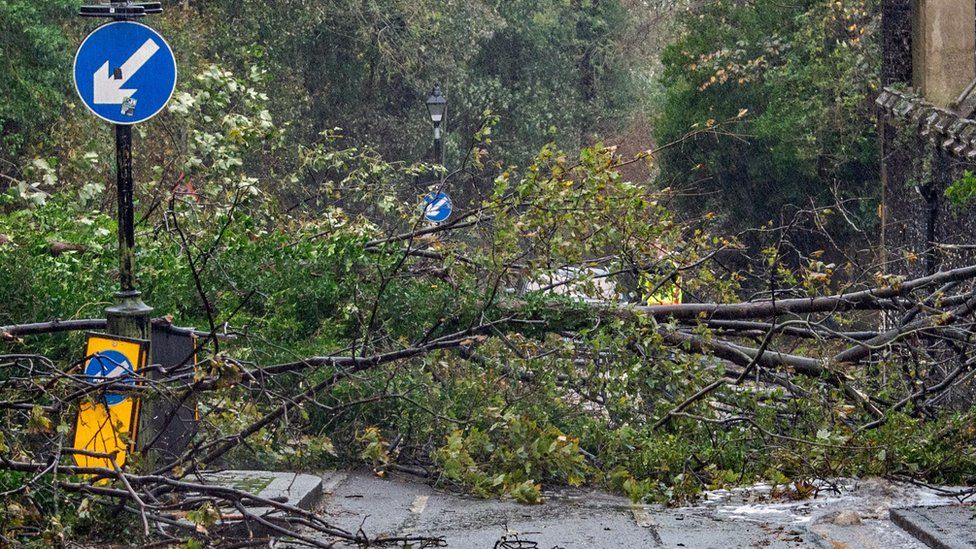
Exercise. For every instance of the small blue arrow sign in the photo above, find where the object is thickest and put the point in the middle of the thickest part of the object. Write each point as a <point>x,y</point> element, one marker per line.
<point>108,366</point>
<point>437,207</point>
<point>125,72</point>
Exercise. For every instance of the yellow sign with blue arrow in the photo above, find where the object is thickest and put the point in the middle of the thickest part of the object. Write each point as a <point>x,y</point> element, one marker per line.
<point>107,423</point>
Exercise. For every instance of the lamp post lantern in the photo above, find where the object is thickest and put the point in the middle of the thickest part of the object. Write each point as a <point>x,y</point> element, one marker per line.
<point>437,109</point>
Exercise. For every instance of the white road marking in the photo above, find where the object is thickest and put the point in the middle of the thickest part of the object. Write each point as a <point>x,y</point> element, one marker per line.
<point>419,504</point>
<point>410,524</point>
<point>641,517</point>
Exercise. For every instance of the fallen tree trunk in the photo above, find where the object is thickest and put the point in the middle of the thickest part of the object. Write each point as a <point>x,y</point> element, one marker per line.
<point>81,325</point>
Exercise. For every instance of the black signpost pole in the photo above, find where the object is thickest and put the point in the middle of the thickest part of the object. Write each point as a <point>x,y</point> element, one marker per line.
<point>129,317</point>
<point>127,236</point>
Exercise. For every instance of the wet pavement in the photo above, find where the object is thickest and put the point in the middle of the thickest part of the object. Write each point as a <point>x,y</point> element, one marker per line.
<point>855,515</point>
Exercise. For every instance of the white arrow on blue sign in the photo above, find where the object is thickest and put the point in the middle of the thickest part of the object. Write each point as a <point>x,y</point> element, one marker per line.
<point>125,72</point>
<point>437,207</point>
<point>108,366</point>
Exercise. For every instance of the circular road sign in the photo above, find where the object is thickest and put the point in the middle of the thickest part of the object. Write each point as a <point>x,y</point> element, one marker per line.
<point>437,207</point>
<point>125,72</point>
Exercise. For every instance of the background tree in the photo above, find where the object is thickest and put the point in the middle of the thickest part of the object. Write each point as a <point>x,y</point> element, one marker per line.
<point>33,55</point>
<point>804,74</point>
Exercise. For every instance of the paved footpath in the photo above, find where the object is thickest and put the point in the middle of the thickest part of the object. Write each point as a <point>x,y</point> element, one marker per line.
<point>857,517</point>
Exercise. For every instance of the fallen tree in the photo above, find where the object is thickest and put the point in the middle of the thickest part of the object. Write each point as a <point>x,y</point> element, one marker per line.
<point>405,347</point>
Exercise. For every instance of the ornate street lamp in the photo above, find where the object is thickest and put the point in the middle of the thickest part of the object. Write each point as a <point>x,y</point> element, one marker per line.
<point>437,108</point>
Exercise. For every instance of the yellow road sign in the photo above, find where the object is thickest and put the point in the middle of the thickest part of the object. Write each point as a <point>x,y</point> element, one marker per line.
<point>667,293</point>
<point>109,421</point>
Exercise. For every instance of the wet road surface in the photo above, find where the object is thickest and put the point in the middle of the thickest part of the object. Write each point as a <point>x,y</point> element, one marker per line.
<point>587,518</point>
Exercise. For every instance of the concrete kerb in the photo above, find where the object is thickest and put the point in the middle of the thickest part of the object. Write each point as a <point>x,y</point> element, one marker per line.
<point>296,489</point>
<point>946,527</point>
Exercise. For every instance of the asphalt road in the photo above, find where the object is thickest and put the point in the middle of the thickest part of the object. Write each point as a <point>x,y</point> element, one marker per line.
<point>588,518</point>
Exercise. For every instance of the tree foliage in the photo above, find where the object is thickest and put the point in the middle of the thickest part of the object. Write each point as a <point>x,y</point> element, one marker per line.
<point>33,57</point>
<point>803,75</point>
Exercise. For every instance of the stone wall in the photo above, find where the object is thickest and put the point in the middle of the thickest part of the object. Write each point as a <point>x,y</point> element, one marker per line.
<point>926,149</point>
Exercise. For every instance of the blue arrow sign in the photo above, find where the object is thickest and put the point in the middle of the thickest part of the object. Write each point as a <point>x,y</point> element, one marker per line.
<point>125,72</point>
<point>108,366</point>
<point>437,207</point>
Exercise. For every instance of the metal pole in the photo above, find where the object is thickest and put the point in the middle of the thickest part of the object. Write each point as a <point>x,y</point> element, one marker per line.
<point>439,151</point>
<point>129,317</point>
<point>438,145</point>
<point>127,231</point>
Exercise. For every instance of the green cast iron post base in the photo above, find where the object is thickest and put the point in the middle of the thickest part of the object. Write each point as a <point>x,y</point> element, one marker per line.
<point>130,317</point>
